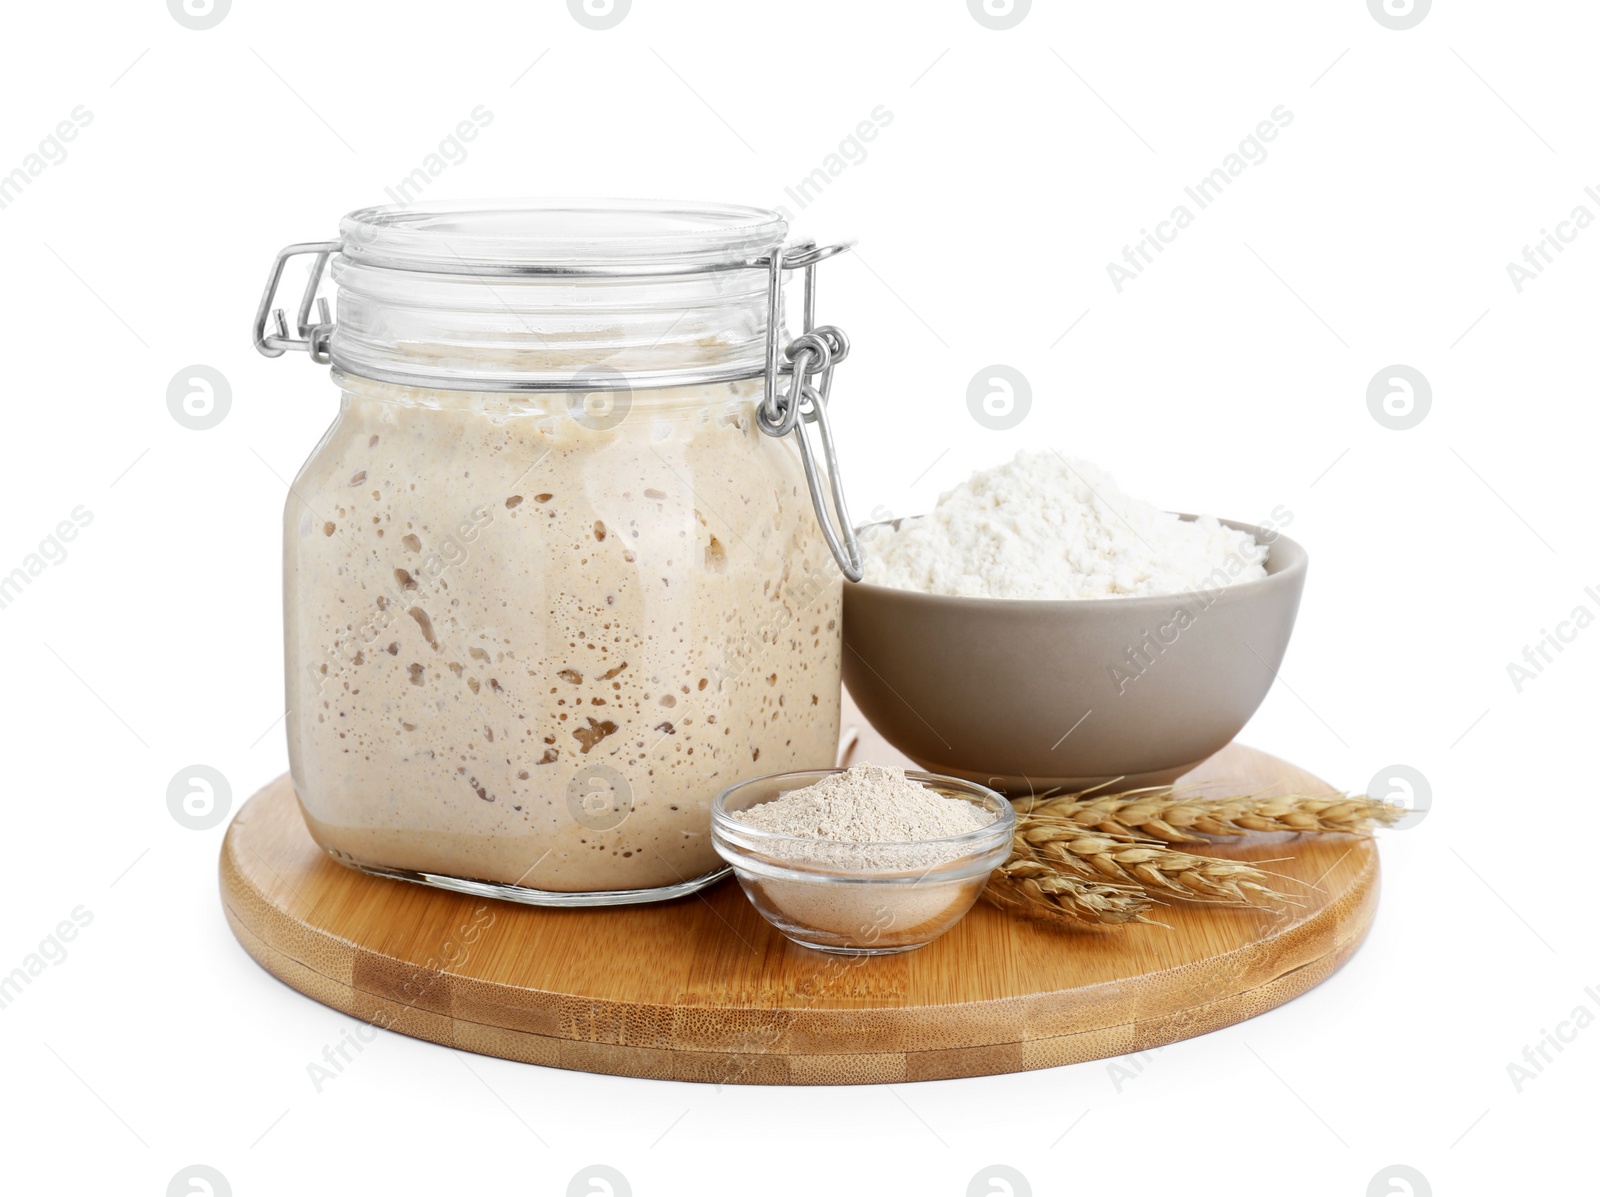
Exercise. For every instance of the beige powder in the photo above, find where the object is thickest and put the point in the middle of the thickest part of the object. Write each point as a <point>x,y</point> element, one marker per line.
<point>869,817</point>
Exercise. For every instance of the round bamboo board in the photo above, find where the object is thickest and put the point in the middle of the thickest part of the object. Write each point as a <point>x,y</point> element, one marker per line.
<point>702,989</point>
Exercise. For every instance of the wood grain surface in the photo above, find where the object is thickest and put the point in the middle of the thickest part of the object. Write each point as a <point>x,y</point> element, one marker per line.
<point>703,989</point>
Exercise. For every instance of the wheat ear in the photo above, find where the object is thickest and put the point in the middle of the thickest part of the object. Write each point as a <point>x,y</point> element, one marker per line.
<point>1037,890</point>
<point>1162,813</point>
<point>1155,868</point>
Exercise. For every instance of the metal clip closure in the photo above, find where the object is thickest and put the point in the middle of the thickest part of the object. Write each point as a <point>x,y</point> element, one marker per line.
<point>311,338</point>
<point>813,354</point>
<point>783,410</point>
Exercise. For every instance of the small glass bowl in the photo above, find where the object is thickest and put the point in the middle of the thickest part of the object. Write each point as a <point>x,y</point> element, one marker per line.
<point>859,899</point>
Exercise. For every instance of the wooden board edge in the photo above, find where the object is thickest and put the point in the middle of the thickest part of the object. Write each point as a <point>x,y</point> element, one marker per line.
<point>811,1068</point>
<point>246,905</point>
<point>720,1068</point>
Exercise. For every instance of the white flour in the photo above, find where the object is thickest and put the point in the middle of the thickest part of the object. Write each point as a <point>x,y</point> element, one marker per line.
<point>1047,527</point>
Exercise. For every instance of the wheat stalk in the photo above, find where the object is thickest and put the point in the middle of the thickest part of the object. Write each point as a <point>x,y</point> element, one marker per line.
<point>1163,813</point>
<point>1039,890</point>
<point>1153,867</point>
<point>1104,858</point>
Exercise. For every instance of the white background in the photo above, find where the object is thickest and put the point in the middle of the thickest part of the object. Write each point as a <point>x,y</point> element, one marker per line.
<point>1229,377</point>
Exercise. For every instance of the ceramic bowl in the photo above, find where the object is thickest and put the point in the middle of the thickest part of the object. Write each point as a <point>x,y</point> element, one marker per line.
<point>1025,695</point>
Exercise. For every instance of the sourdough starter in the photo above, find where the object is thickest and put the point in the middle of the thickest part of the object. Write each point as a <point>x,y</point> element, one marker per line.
<point>528,649</point>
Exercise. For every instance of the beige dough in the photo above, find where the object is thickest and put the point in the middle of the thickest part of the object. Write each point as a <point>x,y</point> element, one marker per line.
<point>507,631</point>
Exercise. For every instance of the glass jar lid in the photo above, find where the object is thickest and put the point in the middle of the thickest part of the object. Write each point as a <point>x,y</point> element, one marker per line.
<point>574,297</point>
<point>561,237</point>
<point>565,295</point>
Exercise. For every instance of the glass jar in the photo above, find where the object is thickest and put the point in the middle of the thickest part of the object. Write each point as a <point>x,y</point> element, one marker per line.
<point>556,574</point>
